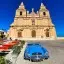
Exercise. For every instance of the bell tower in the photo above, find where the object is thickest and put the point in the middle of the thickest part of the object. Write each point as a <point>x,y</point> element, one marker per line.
<point>21,11</point>
<point>43,12</point>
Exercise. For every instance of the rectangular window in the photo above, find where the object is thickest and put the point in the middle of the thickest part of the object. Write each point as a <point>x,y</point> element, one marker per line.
<point>33,22</point>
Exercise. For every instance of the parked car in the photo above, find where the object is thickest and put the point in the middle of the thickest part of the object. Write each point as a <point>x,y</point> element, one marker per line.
<point>3,50</point>
<point>35,52</point>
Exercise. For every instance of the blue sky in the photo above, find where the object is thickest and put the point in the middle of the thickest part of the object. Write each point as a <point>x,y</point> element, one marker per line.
<point>56,8</point>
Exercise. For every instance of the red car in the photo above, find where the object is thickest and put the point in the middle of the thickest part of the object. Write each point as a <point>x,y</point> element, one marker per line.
<point>10,44</point>
<point>3,49</point>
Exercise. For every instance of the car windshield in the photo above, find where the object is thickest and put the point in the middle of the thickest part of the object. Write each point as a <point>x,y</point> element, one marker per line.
<point>30,44</point>
<point>33,44</point>
<point>36,44</point>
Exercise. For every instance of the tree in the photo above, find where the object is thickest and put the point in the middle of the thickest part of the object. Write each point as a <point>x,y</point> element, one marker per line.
<point>2,60</point>
<point>2,36</point>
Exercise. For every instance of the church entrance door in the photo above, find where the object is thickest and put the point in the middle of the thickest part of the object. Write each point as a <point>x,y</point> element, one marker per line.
<point>19,34</point>
<point>33,33</point>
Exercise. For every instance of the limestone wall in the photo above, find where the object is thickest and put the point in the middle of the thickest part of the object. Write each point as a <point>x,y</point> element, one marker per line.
<point>24,23</point>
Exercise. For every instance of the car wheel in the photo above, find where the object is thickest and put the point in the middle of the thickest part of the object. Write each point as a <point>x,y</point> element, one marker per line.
<point>42,59</point>
<point>31,60</point>
<point>46,58</point>
<point>24,58</point>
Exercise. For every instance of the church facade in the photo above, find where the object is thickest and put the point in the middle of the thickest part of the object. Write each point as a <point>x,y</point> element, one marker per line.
<point>32,25</point>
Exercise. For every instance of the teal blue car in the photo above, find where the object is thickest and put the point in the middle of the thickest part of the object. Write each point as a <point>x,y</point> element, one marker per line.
<point>35,52</point>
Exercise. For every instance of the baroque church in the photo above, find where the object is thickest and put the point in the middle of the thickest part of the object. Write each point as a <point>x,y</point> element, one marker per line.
<point>32,25</point>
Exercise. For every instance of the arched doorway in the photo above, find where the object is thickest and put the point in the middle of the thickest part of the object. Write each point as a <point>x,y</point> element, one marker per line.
<point>20,34</point>
<point>47,32</point>
<point>33,33</point>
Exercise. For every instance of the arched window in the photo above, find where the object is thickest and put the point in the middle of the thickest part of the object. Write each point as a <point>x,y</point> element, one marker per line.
<point>44,13</point>
<point>20,12</point>
<point>19,34</point>
<point>33,33</point>
<point>47,32</point>
<point>33,22</point>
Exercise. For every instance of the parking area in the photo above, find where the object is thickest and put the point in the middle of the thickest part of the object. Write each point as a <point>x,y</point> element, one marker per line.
<point>56,52</point>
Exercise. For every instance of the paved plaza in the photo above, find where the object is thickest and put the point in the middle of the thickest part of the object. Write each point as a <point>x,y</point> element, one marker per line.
<point>56,52</point>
